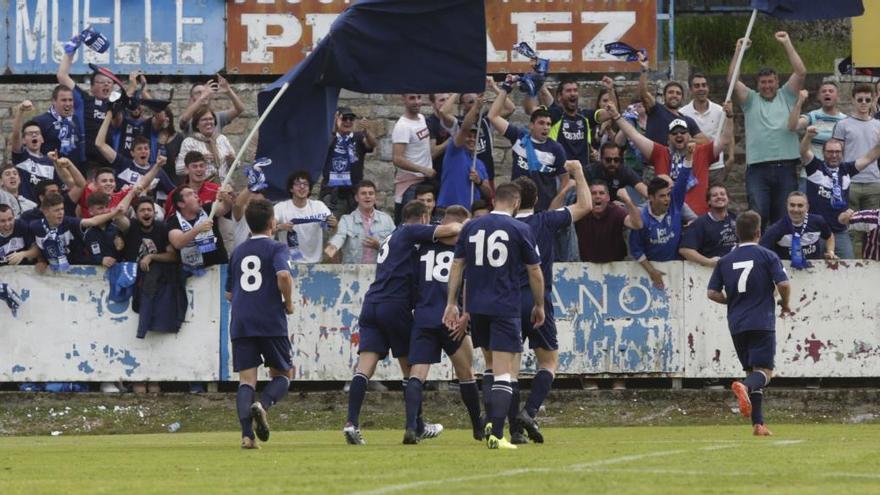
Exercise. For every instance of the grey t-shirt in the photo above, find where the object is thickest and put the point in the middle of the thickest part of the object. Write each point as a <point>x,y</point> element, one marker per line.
<point>858,137</point>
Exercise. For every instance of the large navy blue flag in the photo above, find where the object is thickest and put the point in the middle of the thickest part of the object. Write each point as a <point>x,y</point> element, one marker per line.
<point>375,46</point>
<point>810,10</point>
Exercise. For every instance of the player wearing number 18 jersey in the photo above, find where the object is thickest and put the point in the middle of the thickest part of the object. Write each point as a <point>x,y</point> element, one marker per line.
<point>747,276</point>
<point>490,254</point>
<point>430,337</point>
<point>259,286</point>
<point>386,320</point>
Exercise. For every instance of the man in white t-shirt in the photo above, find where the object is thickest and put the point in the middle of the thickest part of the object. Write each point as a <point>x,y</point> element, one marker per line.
<point>411,153</point>
<point>709,116</point>
<point>301,221</point>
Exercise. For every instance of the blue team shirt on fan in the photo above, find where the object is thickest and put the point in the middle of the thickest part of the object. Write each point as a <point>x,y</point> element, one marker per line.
<point>710,237</point>
<point>70,234</point>
<point>128,172</point>
<point>658,239</point>
<point>495,248</point>
<point>396,263</point>
<point>551,158</point>
<point>820,182</point>
<point>455,182</point>
<point>757,270</point>
<point>257,304</point>
<point>778,237</point>
<point>545,226</point>
<point>18,240</point>
<point>432,281</point>
<point>31,170</point>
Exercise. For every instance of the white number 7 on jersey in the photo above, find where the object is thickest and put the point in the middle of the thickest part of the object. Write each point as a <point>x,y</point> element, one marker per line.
<point>746,267</point>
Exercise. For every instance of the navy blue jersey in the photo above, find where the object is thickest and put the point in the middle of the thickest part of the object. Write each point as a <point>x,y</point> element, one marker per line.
<point>396,263</point>
<point>545,225</point>
<point>659,118</point>
<point>495,248</point>
<point>129,173</point>
<point>550,163</point>
<point>710,237</point>
<point>52,130</point>
<point>820,183</point>
<point>432,281</point>
<point>748,275</point>
<point>18,240</point>
<point>32,169</point>
<point>97,243</point>
<point>88,113</point>
<point>573,132</point>
<point>778,237</point>
<point>257,304</point>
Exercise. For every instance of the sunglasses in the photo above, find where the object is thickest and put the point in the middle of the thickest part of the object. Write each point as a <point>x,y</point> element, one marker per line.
<point>613,159</point>
<point>347,118</point>
<point>864,100</point>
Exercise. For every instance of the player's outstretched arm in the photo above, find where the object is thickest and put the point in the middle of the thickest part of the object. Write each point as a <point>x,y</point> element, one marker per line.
<point>784,289</point>
<point>584,203</point>
<point>716,296</point>
<point>536,284</point>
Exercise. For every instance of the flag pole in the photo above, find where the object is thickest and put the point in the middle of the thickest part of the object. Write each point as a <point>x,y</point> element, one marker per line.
<point>247,142</point>
<point>735,76</point>
<point>474,160</point>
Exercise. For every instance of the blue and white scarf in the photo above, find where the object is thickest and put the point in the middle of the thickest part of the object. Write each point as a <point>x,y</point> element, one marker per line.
<point>66,134</point>
<point>191,255</point>
<point>344,156</point>
<point>55,249</point>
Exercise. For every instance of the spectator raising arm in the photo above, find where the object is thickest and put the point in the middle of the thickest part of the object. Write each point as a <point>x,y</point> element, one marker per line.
<point>799,70</point>
<point>509,107</point>
<point>237,104</point>
<point>447,111</point>
<point>531,104</point>
<point>15,136</point>
<point>584,203</point>
<point>498,122</point>
<point>740,90</point>
<point>643,143</point>
<point>633,220</point>
<point>796,121</point>
<point>105,149</point>
<point>63,72</point>
<point>70,175</point>
<point>725,134</point>
<point>645,95</point>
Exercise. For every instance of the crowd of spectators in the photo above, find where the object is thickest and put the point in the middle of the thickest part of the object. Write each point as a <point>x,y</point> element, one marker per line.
<point>91,183</point>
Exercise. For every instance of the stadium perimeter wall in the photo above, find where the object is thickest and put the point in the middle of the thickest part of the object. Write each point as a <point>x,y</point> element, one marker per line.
<point>610,321</point>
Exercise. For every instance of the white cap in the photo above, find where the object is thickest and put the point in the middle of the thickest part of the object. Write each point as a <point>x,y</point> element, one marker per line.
<point>677,123</point>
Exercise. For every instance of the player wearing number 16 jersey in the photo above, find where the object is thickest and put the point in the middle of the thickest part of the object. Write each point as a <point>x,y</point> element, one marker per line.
<point>386,320</point>
<point>259,286</point>
<point>490,253</point>
<point>747,276</point>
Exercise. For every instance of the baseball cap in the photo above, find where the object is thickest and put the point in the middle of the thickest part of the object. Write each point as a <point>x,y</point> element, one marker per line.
<point>343,111</point>
<point>677,123</point>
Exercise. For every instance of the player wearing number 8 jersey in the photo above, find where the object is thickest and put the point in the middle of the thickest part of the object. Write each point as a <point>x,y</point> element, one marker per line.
<point>259,285</point>
<point>386,320</point>
<point>744,280</point>
<point>490,255</point>
<point>430,337</point>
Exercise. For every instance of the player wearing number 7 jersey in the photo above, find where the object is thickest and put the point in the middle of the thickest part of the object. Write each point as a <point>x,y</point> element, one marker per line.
<point>490,253</point>
<point>259,285</point>
<point>386,319</point>
<point>744,280</point>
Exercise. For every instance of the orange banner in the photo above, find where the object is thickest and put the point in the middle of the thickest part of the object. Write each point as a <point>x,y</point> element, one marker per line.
<point>267,38</point>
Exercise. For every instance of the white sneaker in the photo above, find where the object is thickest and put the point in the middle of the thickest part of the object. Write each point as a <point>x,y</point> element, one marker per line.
<point>432,430</point>
<point>110,388</point>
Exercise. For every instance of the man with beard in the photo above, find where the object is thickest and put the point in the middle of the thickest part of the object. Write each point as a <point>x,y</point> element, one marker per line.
<point>823,119</point>
<point>771,146</point>
<point>660,115</point>
<point>89,109</point>
<point>344,167</point>
<point>606,223</point>
<point>712,235</point>
<point>669,160</point>
<point>158,288</point>
<point>612,171</point>
<point>829,182</point>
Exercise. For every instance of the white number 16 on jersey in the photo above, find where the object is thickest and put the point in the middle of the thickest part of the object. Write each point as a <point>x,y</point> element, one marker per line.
<point>494,248</point>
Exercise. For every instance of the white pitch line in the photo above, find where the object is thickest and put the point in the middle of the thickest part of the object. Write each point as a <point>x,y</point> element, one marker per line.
<point>783,443</point>
<point>515,472</point>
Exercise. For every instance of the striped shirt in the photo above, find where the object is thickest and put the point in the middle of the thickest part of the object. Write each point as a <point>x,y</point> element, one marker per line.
<point>867,221</point>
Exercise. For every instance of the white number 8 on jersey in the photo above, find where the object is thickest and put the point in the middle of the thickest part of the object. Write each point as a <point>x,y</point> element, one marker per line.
<point>251,278</point>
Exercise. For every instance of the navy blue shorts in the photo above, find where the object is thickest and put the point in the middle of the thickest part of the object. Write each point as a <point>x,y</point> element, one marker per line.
<point>543,337</point>
<point>755,349</point>
<point>251,352</point>
<point>496,333</point>
<point>385,326</point>
<point>426,343</point>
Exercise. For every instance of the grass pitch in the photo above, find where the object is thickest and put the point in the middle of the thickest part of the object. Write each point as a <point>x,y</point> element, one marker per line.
<point>695,459</point>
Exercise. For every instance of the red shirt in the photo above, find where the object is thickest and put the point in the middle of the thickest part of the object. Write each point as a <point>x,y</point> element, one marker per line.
<point>207,194</point>
<point>704,156</point>
<point>115,199</point>
<point>600,239</point>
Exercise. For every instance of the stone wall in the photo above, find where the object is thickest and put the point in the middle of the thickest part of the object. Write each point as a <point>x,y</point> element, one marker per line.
<point>382,111</point>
